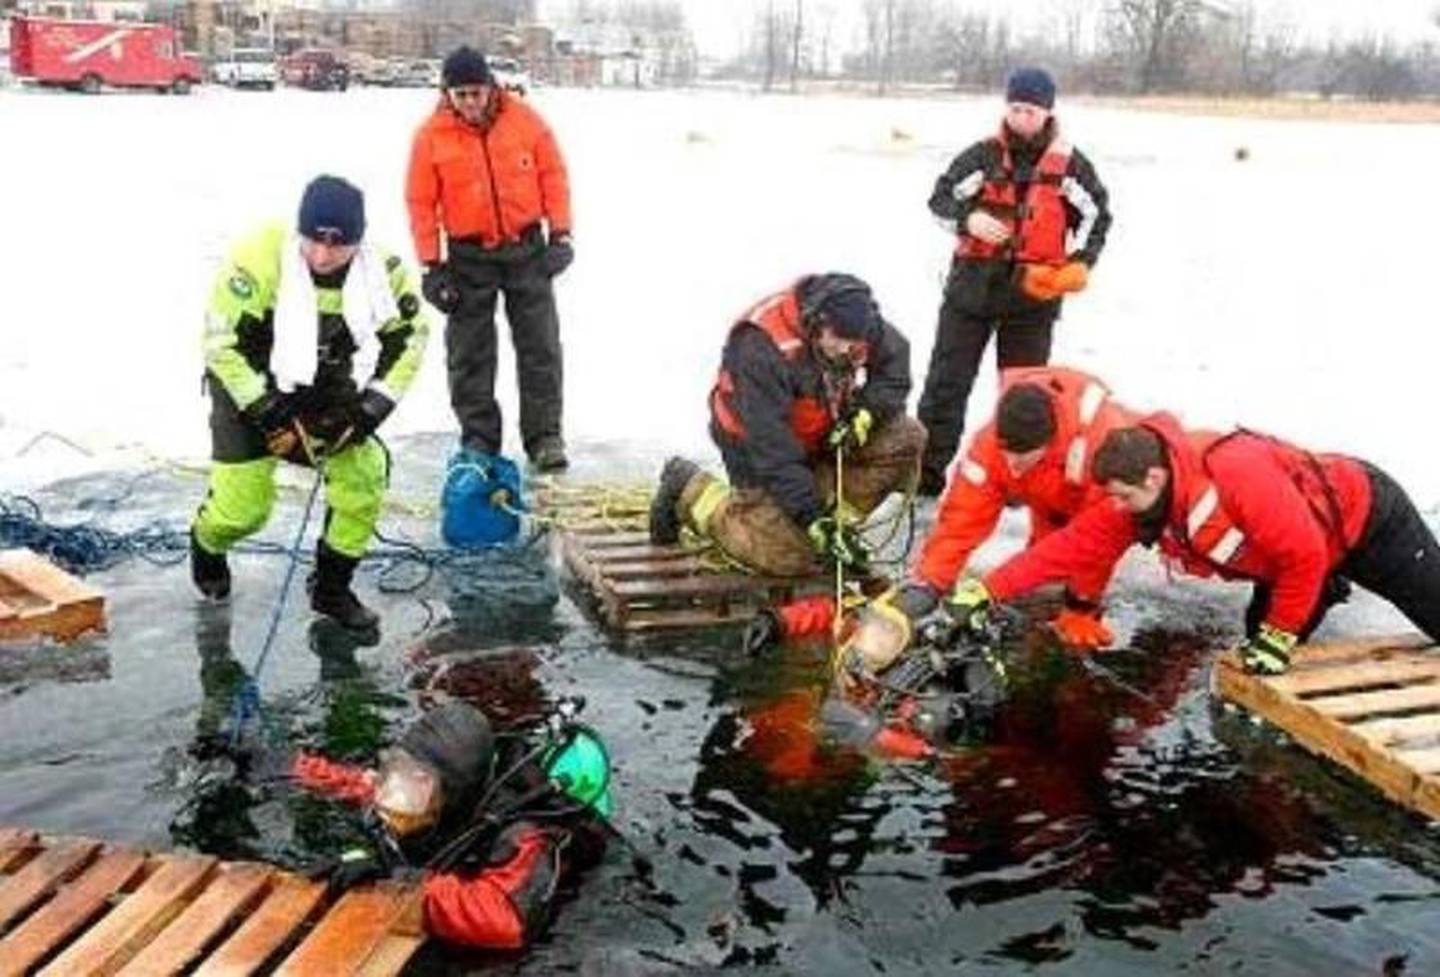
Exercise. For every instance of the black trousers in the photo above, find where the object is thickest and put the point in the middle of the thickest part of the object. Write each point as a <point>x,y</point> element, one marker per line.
<point>516,272</point>
<point>978,302</point>
<point>1397,558</point>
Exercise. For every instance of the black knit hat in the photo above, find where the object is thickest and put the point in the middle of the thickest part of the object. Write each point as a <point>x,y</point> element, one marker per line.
<point>1025,419</point>
<point>332,210</point>
<point>466,66</point>
<point>842,302</point>
<point>455,739</point>
<point>1033,86</point>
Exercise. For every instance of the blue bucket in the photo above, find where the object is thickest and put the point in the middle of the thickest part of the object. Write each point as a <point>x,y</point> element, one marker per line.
<point>481,502</point>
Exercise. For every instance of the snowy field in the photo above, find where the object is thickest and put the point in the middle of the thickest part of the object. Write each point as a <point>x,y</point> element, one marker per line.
<point>1283,292</point>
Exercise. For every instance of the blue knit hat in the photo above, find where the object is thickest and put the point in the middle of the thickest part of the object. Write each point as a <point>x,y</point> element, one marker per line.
<point>332,210</point>
<point>1033,86</point>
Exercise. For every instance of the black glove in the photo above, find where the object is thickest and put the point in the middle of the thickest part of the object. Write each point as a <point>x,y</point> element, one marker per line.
<point>276,415</point>
<point>558,253</point>
<point>355,866</point>
<point>763,631</point>
<point>350,421</point>
<point>440,287</point>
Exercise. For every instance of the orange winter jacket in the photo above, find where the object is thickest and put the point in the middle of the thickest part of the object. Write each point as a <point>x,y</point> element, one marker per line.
<point>1055,490</point>
<point>491,184</point>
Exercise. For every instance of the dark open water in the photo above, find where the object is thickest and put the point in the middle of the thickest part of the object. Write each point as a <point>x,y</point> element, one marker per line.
<point>1098,832</point>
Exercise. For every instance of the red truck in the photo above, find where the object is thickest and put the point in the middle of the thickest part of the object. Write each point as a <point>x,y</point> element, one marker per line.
<point>86,54</point>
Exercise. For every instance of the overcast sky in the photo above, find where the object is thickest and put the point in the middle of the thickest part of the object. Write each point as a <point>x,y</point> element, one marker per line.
<point>718,24</point>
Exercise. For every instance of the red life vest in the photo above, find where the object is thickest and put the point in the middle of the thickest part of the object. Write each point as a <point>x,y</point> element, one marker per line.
<point>811,417</point>
<point>1207,540</point>
<point>1038,225</point>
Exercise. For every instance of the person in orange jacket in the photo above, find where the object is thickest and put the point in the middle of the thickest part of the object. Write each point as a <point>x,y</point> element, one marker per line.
<point>1030,217</point>
<point>1038,451</point>
<point>1242,506</point>
<point>486,171</point>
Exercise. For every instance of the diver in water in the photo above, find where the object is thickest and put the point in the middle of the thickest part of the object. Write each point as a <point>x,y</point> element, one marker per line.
<point>492,823</point>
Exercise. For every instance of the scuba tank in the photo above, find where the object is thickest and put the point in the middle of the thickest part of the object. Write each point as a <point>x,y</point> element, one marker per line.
<point>481,501</point>
<point>578,761</point>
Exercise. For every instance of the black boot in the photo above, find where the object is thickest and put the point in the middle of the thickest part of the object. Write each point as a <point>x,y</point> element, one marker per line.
<point>665,518</point>
<point>330,593</point>
<point>548,455</point>
<point>210,571</point>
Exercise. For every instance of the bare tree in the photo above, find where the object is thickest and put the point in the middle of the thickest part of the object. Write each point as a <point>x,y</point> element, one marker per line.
<point>1155,32</point>
<point>795,34</point>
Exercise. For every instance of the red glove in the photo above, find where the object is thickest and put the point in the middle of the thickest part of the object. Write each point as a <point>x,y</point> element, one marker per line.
<point>1080,625</point>
<point>1045,283</point>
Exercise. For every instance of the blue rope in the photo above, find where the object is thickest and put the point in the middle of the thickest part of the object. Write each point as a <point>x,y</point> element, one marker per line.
<point>247,696</point>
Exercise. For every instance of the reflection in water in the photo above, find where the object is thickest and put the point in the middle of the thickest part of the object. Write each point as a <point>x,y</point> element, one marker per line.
<point>1091,784</point>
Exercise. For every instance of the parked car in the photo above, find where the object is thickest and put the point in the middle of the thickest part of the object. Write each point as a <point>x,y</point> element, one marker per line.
<point>510,74</point>
<point>248,68</point>
<point>416,73</point>
<point>366,69</point>
<point>316,69</point>
<point>88,55</point>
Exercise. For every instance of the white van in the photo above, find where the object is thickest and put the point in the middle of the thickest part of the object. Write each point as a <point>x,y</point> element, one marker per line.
<point>248,68</point>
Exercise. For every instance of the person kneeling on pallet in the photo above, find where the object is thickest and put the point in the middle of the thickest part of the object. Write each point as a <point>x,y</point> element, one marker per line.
<point>491,825</point>
<point>1301,527</point>
<point>807,372</point>
<point>286,389</point>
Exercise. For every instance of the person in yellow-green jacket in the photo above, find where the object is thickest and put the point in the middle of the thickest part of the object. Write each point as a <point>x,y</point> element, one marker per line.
<point>295,316</point>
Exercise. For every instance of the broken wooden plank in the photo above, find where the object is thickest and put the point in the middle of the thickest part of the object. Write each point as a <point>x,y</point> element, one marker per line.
<point>350,932</point>
<point>74,905</point>
<point>233,889</point>
<point>42,876</point>
<point>127,928</point>
<point>266,930</point>
<point>1425,761</point>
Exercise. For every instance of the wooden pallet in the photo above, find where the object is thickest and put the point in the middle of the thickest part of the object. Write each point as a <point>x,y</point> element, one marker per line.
<point>641,587</point>
<point>38,598</point>
<point>1372,706</point>
<point>72,907</point>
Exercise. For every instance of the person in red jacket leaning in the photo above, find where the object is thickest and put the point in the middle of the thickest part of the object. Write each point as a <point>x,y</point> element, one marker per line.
<point>1241,506</point>
<point>1037,451</point>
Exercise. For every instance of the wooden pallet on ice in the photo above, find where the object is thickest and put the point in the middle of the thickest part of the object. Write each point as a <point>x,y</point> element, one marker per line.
<point>641,587</point>
<point>73,907</point>
<point>1372,706</point>
<point>37,598</point>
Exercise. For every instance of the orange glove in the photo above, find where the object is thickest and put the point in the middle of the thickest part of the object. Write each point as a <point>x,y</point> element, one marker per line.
<point>1045,283</point>
<point>1082,627</point>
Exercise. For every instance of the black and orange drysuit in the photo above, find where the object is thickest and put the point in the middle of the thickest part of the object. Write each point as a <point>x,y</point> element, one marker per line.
<point>1048,195</point>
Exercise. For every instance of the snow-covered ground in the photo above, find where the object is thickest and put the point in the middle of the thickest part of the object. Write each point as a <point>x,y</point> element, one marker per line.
<point>1287,292</point>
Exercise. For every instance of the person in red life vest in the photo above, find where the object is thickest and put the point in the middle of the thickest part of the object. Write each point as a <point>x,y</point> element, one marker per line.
<point>808,371</point>
<point>485,169</point>
<point>1242,506</point>
<point>1030,216</point>
<point>491,825</point>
